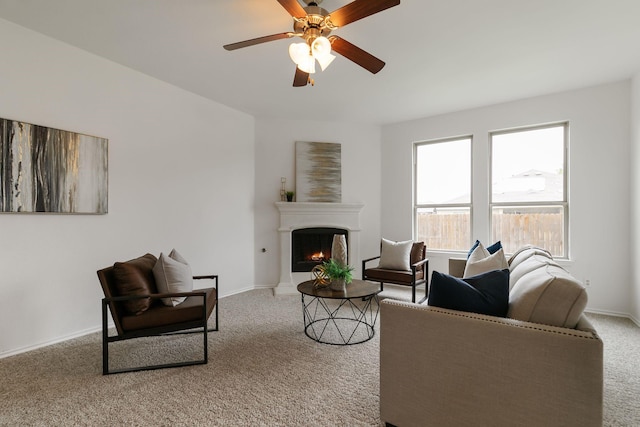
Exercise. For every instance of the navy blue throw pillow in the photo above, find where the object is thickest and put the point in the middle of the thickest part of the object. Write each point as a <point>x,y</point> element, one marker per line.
<point>486,293</point>
<point>491,249</point>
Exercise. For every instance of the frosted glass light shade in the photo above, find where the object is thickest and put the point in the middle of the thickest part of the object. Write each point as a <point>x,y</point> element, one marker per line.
<point>325,60</point>
<point>298,52</point>
<point>321,50</point>
<point>321,46</point>
<point>308,64</point>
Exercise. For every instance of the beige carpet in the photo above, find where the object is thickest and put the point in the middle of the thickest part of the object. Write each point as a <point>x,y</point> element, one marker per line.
<point>621,339</point>
<point>263,370</point>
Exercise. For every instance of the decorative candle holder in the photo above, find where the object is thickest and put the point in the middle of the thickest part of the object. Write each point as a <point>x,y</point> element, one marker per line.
<point>283,191</point>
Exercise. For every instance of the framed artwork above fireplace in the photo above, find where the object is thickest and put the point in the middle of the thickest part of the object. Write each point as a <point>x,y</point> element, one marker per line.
<point>318,172</point>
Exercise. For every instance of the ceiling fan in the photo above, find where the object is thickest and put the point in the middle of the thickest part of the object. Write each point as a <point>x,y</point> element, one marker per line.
<point>314,24</point>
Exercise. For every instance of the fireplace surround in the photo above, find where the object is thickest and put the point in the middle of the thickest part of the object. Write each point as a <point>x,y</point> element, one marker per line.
<point>309,215</point>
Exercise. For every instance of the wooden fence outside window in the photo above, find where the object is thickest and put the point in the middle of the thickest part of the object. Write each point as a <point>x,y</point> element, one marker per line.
<point>514,230</point>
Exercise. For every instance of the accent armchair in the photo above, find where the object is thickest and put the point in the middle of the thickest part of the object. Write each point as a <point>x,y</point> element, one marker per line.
<point>140,312</point>
<point>393,268</point>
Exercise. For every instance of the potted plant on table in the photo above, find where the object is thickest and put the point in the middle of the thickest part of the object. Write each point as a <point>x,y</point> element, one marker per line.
<point>339,274</point>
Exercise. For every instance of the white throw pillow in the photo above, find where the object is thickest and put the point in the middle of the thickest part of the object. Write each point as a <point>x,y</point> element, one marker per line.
<point>481,261</point>
<point>176,256</point>
<point>395,255</point>
<point>173,274</point>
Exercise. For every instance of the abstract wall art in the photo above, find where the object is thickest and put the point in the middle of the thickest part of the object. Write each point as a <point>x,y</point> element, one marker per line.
<point>318,172</point>
<point>50,170</point>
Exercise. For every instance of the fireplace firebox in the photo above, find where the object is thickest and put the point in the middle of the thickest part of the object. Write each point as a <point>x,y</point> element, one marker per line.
<point>312,246</point>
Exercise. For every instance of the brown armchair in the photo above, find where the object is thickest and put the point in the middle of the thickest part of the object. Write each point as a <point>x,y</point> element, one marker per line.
<point>415,276</point>
<point>156,319</point>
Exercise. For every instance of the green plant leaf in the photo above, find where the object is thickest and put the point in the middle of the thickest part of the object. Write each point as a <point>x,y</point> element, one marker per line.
<point>336,270</point>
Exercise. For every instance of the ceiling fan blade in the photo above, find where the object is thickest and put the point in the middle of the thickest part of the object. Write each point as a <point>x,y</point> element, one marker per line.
<point>301,78</point>
<point>359,9</point>
<point>355,54</point>
<point>294,8</point>
<point>246,43</point>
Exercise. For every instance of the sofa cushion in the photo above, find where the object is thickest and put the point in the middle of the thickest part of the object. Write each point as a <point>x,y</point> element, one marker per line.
<point>532,262</point>
<point>173,274</point>
<point>395,255</point>
<point>548,295</point>
<point>487,293</point>
<point>492,248</point>
<point>456,266</point>
<point>135,277</point>
<point>481,261</point>
<point>525,252</point>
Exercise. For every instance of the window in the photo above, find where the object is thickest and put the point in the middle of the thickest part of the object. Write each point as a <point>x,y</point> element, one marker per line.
<point>442,199</point>
<point>529,188</point>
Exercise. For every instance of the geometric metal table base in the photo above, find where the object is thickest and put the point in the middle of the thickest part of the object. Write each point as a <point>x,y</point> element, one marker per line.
<point>340,317</point>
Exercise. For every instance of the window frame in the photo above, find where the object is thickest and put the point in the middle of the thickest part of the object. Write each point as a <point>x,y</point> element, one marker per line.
<point>417,206</point>
<point>564,203</point>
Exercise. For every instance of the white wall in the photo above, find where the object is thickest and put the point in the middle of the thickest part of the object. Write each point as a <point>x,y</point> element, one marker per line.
<point>275,158</point>
<point>184,172</point>
<point>599,185</point>
<point>180,175</point>
<point>635,199</point>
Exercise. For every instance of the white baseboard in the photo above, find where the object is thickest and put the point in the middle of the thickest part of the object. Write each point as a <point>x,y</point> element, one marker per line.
<point>94,329</point>
<point>615,314</point>
<point>237,291</point>
<point>50,342</point>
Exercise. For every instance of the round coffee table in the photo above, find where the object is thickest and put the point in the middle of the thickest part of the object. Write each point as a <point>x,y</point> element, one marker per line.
<point>340,317</point>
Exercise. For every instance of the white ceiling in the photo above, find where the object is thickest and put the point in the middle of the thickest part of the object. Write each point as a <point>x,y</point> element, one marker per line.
<point>441,56</point>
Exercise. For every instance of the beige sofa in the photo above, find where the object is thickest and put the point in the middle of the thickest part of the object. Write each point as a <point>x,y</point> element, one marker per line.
<point>541,366</point>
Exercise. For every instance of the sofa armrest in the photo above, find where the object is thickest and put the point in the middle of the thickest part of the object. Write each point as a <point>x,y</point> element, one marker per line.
<point>457,266</point>
<point>444,367</point>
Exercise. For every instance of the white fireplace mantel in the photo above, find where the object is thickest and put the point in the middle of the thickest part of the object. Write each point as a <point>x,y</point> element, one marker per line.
<point>297,215</point>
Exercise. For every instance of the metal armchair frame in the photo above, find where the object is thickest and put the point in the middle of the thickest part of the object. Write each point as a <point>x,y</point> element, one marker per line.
<point>423,265</point>
<point>199,325</point>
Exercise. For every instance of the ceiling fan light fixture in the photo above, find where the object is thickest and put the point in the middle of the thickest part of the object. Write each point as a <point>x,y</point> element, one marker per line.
<point>321,46</point>
<point>321,50</point>
<point>302,57</point>
<point>308,65</point>
<point>298,52</point>
<point>325,60</point>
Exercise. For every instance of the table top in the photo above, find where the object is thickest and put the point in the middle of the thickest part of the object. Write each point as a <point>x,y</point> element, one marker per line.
<point>355,289</point>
